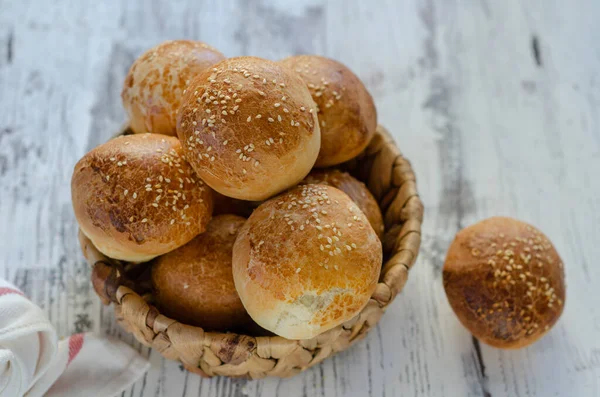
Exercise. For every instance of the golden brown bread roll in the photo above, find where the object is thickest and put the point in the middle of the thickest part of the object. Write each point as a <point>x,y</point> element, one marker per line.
<point>135,197</point>
<point>249,128</point>
<point>194,283</point>
<point>347,113</point>
<point>306,261</point>
<point>505,282</point>
<point>155,83</point>
<point>355,189</point>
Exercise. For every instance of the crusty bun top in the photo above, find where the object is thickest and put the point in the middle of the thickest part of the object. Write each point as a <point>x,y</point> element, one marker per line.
<point>347,113</point>
<point>355,189</point>
<point>505,282</point>
<point>135,197</point>
<point>194,283</point>
<point>155,83</point>
<point>306,261</point>
<point>248,127</point>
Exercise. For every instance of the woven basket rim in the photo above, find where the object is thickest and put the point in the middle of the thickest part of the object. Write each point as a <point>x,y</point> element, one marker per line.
<point>392,182</point>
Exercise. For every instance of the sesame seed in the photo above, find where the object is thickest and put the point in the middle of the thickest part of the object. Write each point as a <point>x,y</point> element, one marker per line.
<point>144,220</point>
<point>270,120</point>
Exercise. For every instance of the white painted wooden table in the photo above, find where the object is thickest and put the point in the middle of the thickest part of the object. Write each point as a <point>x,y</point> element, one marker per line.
<point>496,103</point>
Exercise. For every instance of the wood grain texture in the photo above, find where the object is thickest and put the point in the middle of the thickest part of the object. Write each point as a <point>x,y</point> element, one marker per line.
<point>495,103</point>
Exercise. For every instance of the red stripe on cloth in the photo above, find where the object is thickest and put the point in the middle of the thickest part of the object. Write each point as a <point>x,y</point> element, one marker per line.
<point>8,291</point>
<point>75,345</point>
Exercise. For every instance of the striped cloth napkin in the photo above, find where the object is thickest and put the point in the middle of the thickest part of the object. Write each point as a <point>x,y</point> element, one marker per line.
<point>34,363</point>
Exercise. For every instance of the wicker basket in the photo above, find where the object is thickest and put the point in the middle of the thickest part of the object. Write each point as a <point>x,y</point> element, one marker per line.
<point>390,178</point>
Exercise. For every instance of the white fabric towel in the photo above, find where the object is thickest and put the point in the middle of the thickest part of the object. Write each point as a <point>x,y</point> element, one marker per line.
<point>34,363</point>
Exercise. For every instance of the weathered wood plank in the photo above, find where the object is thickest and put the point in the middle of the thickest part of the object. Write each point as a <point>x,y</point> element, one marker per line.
<point>495,104</point>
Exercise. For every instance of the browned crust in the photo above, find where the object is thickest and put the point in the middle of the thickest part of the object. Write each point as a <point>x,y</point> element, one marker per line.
<point>309,252</point>
<point>355,189</point>
<point>505,282</point>
<point>347,113</point>
<point>155,83</point>
<point>194,283</point>
<point>249,128</point>
<point>136,197</point>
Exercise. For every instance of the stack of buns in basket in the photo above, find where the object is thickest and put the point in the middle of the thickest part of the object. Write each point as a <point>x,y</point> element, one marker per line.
<point>223,189</point>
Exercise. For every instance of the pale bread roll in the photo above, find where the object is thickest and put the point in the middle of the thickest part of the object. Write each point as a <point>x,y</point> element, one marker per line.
<point>157,79</point>
<point>347,114</point>
<point>249,128</point>
<point>306,261</point>
<point>135,197</point>
<point>505,282</point>
<point>194,283</point>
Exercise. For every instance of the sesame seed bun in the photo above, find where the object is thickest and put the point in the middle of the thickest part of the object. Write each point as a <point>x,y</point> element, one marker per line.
<point>155,83</point>
<point>347,113</point>
<point>135,197</point>
<point>306,261</point>
<point>505,282</point>
<point>356,190</point>
<point>249,128</point>
<point>194,283</point>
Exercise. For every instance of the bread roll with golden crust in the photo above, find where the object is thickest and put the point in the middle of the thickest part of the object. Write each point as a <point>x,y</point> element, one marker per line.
<point>194,284</point>
<point>155,83</point>
<point>347,113</point>
<point>249,128</point>
<point>505,282</point>
<point>135,197</point>
<point>306,261</point>
<point>355,189</point>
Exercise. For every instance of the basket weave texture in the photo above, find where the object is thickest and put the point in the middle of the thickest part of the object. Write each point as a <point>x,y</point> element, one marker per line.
<point>391,180</point>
